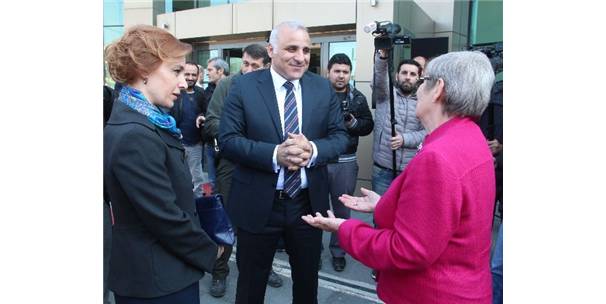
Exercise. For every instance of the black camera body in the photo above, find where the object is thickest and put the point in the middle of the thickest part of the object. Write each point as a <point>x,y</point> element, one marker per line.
<point>386,42</point>
<point>494,52</point>
<point>345,109</point>
<point>386,35</point>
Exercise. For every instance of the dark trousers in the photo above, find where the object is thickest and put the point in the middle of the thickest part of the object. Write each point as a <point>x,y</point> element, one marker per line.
<point>225,168</point>
<point>342,179</point>
<point>188,295</point>
<point>107,248</point>
<point>256,252</point>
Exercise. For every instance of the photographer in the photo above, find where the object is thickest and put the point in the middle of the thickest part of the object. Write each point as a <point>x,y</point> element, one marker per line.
<point>409,131</point>
<point>342,173</point>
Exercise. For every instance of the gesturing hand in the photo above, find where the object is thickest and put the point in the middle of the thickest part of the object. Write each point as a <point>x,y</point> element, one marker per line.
<point>330,223</point>
<point>365,203</point>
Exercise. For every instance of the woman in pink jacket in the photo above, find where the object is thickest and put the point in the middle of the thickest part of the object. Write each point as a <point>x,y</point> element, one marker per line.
<point>432,240</point>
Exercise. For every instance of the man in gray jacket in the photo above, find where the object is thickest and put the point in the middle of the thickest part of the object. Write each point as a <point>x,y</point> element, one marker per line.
<point>409,131</point>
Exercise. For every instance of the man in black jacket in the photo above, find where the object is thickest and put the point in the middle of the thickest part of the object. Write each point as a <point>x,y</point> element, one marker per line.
<point>188,106</point>
<point>343,172</point>
<point>491,124</point>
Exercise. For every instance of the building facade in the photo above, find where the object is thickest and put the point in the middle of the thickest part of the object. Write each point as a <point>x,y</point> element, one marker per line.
<point>223,27</point>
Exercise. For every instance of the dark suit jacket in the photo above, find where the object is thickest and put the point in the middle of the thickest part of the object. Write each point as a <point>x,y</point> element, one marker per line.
<point>158,246</point>
<point>250,129</point>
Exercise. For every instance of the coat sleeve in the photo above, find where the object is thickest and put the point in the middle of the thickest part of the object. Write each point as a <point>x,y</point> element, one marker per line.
<point>336,140</point>
<point>414,138</point>
<point>233,140</point>
<point>426,215</point>
<point>141,171</point>
<point>380,86</point>
<point>201,101</point>
<point>215,108</point>
<point>364,124</point>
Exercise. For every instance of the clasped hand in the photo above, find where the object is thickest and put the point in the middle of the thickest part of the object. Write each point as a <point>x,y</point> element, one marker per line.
<point>200,120</point>
<point>295,152</point>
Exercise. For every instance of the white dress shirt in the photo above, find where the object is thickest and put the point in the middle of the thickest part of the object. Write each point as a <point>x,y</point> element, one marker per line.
<point>280,90</point>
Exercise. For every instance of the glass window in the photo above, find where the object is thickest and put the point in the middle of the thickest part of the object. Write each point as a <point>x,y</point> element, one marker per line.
<point>110,34</point>
<point>113,13</point>
<point>315,62</point>
<point>113,28</point>
<point>348,48</point>
<point>179,5</point>
<point>233,56</point>
<point>486,22</point>
<point>234,65</point>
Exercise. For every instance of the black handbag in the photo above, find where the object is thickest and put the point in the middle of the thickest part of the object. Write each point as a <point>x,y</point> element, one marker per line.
<point>214,220</point>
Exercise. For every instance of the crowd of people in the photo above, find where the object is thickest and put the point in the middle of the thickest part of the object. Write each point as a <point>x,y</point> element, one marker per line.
<point>279,144</point>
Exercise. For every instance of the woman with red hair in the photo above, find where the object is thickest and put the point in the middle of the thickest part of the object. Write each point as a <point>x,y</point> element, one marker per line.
<point>159,252</point>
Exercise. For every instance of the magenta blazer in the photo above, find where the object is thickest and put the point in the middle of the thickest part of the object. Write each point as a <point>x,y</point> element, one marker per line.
<point>432,241</point>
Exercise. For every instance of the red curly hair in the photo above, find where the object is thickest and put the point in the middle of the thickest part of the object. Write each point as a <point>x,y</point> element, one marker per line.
<point>140,51</point>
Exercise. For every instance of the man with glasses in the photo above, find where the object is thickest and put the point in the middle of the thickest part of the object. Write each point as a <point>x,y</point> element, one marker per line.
<point>409,131</point>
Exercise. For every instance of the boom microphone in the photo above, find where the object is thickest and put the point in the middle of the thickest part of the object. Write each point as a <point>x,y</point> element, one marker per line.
<point>382,27</point>
<point>371,27</point>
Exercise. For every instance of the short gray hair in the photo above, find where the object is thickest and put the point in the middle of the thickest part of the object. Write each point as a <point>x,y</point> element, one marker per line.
<point>468,78</point>
<point>219,63</point>
<point>273,37</point>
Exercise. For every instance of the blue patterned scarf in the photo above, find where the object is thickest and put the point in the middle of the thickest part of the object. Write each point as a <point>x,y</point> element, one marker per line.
<point>135,100</point>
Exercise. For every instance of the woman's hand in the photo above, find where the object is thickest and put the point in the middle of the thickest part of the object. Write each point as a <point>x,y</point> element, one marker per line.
<point>330,223</point>
<point>365,203</point>
<point>220,251</point>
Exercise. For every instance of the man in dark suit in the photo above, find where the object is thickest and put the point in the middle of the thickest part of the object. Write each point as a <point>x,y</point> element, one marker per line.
<point>280,126</point>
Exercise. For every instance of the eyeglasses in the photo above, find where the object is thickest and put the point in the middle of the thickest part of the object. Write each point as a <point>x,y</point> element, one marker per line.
<point>425,78</point>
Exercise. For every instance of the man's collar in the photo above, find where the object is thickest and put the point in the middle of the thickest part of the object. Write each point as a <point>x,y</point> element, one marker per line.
<point>412,94</point>
<point>279,80</point>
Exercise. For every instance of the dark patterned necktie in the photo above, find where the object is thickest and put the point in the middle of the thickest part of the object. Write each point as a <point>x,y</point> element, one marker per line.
<point>292,179</point>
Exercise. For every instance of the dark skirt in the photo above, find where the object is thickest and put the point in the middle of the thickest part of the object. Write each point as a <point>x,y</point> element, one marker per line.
<point>188,295</point>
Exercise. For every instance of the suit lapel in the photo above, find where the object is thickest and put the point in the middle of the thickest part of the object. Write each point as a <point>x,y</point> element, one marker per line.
<point>308,96</point>
<point>266,88</point>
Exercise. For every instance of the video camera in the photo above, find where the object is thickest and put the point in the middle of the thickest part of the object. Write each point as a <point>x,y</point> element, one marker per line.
<point>494,52</point>
<point>385,33</point>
